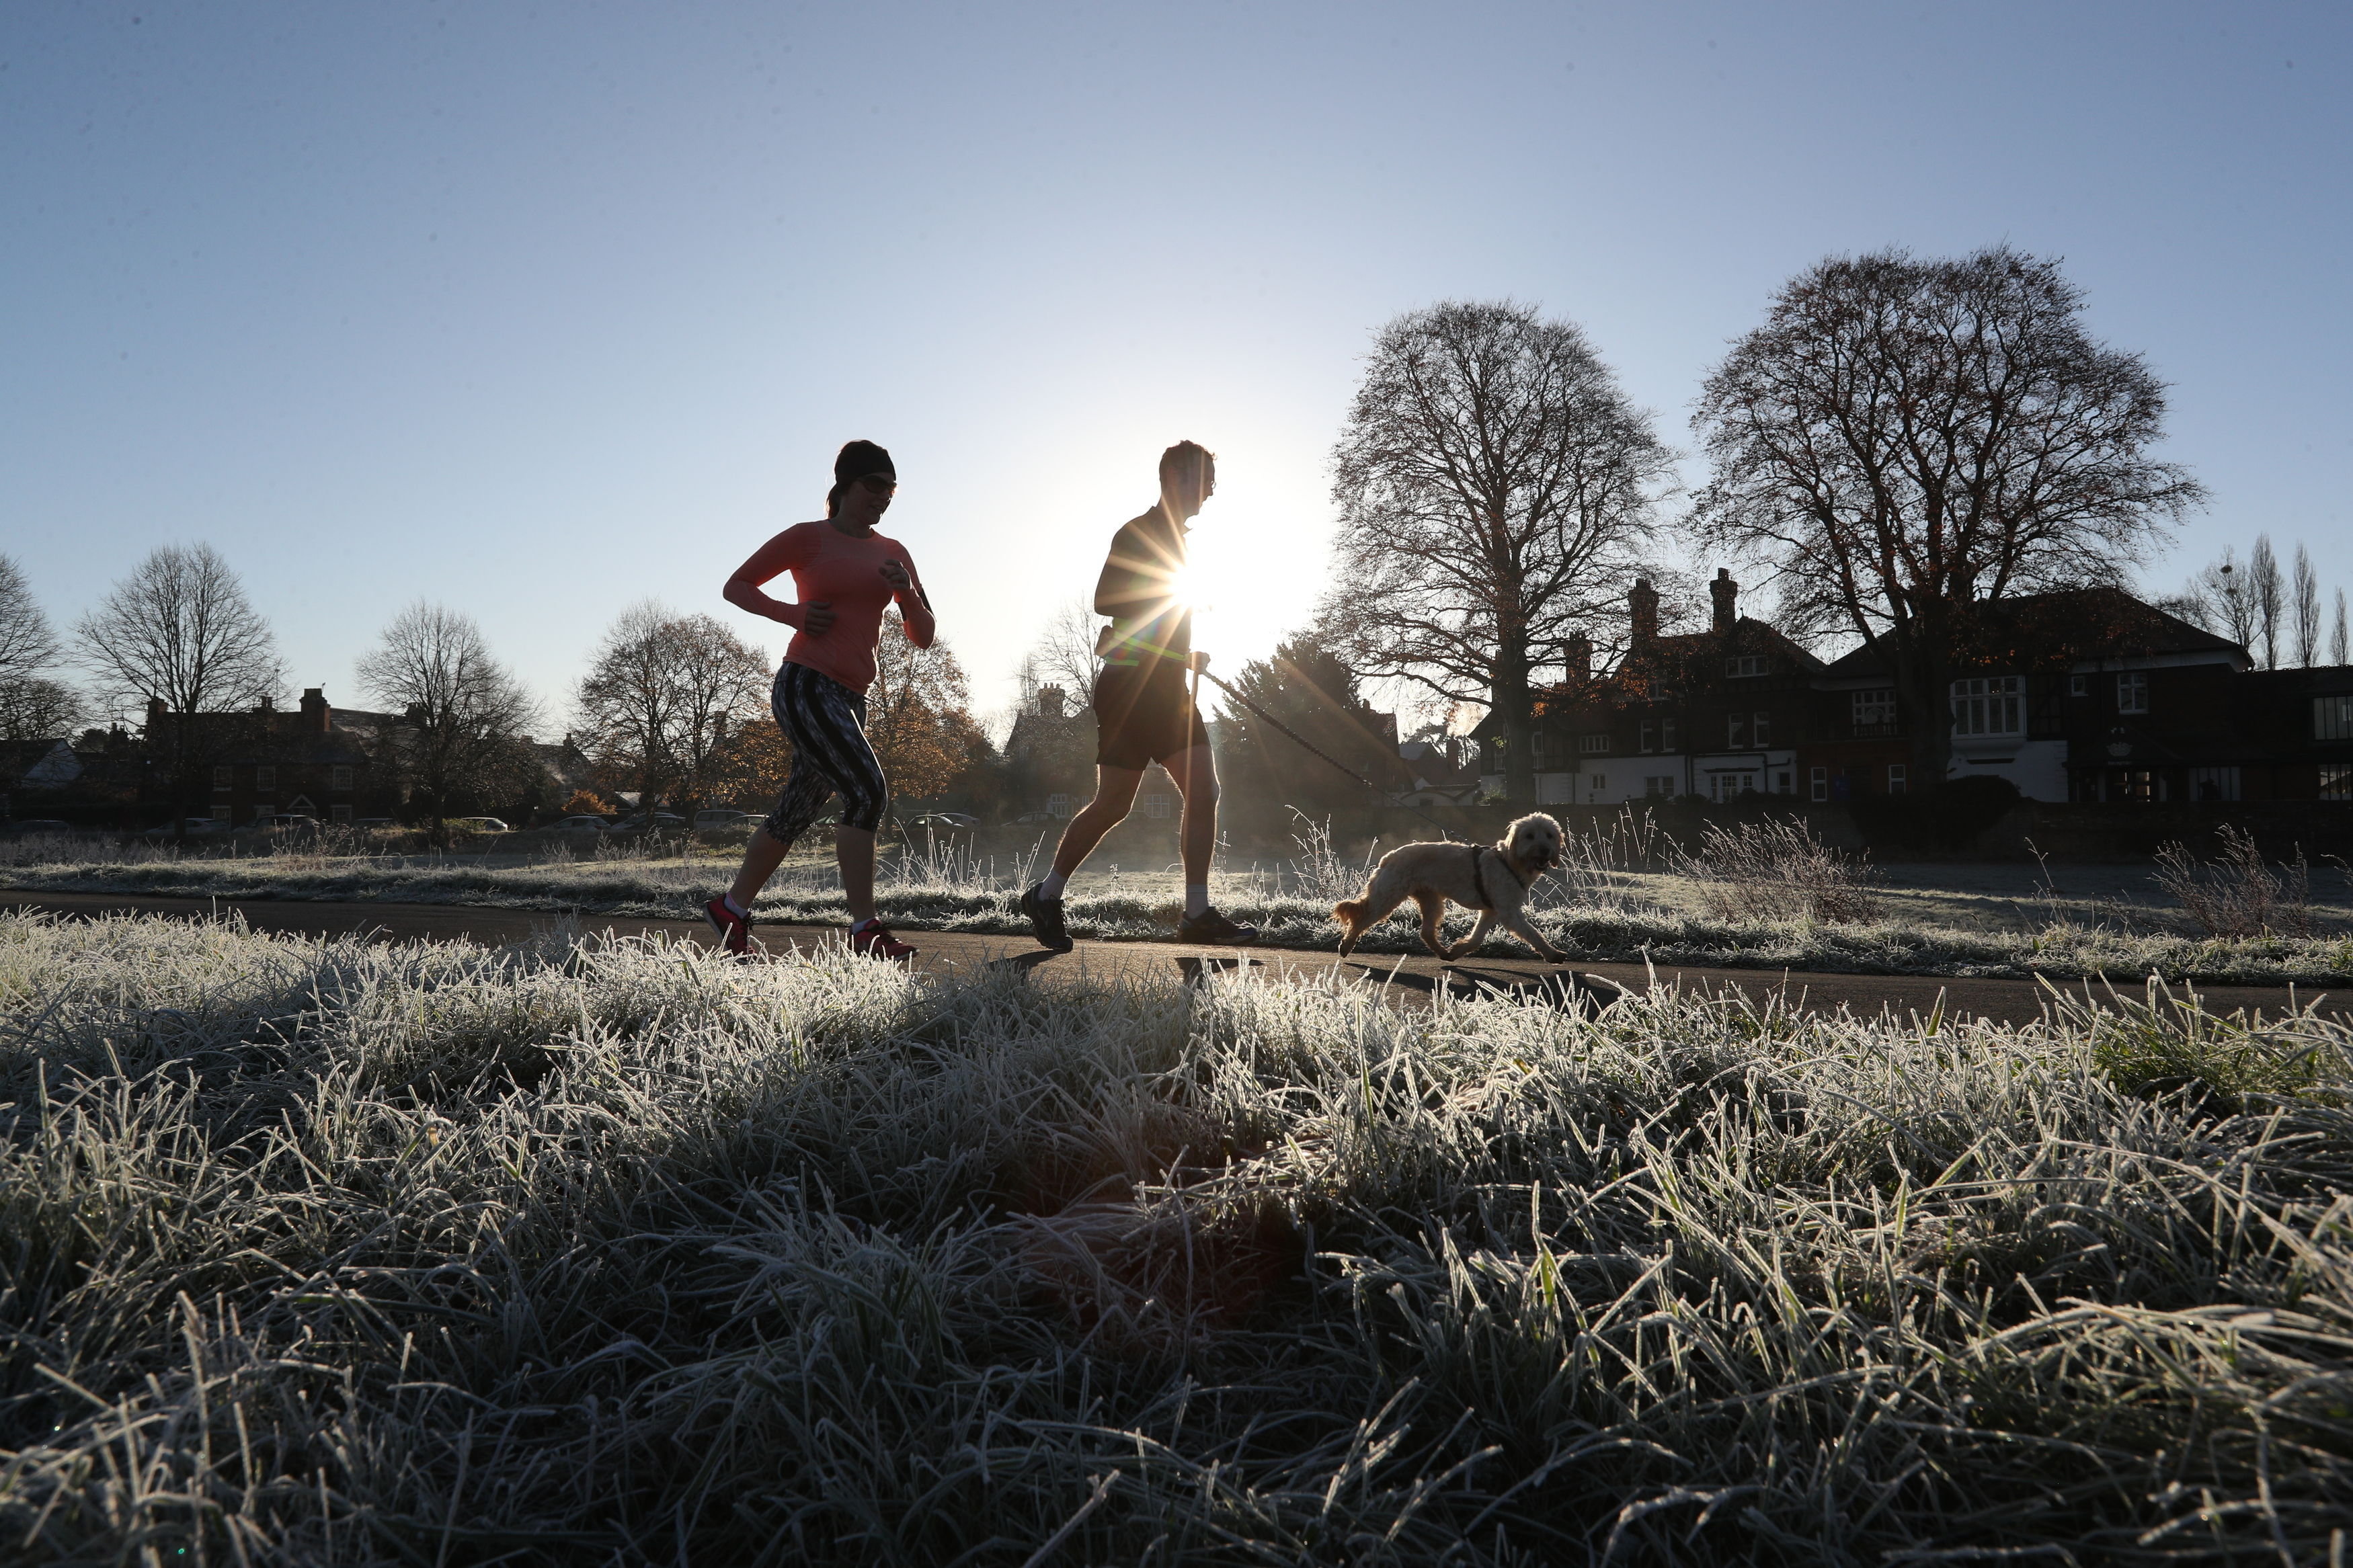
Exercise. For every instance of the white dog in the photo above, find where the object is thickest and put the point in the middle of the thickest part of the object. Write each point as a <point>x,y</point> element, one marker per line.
<point>1492,879</point>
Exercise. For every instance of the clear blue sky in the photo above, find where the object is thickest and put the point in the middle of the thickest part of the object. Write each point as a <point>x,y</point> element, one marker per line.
<point>537,310</point>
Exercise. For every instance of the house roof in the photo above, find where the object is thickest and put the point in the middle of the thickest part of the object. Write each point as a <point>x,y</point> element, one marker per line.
<point>2064,628</point>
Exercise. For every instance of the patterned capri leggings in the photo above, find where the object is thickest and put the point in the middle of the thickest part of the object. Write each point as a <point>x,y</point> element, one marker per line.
<point>826,722</point>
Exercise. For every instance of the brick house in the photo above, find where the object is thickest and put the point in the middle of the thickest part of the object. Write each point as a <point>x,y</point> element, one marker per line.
<point>263,762</point>
<point>2090,695</point>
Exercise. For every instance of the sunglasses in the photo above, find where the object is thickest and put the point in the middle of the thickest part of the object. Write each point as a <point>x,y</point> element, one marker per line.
<point>880,484</point>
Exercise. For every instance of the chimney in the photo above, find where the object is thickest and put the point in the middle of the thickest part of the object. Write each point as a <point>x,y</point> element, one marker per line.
<point>316,715</point>
<point>1050,702</point>
<point>155,712</point>
<point>1644,602</point>
<point>1725,591</point>
<point>1580,659</point>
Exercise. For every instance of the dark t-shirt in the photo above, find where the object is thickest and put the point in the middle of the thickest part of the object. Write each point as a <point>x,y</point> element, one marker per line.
<point>1149,625</point>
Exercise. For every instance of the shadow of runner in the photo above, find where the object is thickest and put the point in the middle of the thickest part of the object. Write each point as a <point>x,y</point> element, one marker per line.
<point>1432,984</point>
<point>1020,963</point>
<point>1194,968</point>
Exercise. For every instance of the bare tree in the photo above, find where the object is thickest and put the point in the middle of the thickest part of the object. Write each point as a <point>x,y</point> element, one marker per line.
<point>463,708</point>
<point>2217,598</point>
<point>179,632</point>
<point>2336,649</point>
<point>1903,438</point>
<point>31,705</point>
<point>1494,486</point>
<point>2305,606</point>
<point>1063,655</point>
<point>2268,596</point>
<point>661,696</point>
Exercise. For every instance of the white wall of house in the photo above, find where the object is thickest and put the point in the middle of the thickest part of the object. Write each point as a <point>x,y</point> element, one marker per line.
<point>1724,775</point>
<point>2039,768</point>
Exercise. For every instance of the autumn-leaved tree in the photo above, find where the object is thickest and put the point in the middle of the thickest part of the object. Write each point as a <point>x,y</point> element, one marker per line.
<point>1905,439</point>
<point>1495,489</point>
<point>918,714</point>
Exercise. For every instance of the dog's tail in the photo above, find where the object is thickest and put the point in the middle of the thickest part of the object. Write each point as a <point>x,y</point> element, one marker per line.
<point>1348,911</point>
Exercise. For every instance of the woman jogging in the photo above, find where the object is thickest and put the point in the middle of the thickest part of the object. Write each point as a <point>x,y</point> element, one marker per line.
<point>845,575</point>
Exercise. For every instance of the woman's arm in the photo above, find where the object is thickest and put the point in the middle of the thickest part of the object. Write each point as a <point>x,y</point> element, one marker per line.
<point>914,604</point>
<point>772,560</point>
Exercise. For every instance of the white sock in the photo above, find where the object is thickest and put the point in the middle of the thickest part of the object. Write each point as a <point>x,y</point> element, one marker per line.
<point>861,925</point>
<point>1197,899</point>
<point>1050,888</point>
<point>738,910</point>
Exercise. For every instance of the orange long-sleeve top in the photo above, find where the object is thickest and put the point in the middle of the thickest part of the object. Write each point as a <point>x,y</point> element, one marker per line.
<point>845,571</point>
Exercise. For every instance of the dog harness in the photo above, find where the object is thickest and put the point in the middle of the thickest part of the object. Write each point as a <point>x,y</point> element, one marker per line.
<point>1479,874</point>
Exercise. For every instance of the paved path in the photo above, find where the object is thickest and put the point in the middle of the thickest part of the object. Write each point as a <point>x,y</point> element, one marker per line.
<point>1408,979</point>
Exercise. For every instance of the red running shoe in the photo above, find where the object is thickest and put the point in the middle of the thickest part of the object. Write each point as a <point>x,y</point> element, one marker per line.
<point>735,930</point>
<point>873,940</point>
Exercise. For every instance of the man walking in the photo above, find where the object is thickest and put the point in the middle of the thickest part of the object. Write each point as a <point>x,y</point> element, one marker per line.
<point>1144,714</point>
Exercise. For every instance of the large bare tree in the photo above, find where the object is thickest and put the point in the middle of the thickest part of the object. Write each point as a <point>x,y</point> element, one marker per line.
<point>1063,655</point>
<point>463,711</point>
<point>1903,438</point>
<point>1496,488</point>
<point>31,705</point>
<point>660,698</point>
<point>179,632</point>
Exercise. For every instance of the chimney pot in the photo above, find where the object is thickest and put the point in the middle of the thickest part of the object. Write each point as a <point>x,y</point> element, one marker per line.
<point>1726,593</point>
<point>1580,659</point>
<point>1643,601</point>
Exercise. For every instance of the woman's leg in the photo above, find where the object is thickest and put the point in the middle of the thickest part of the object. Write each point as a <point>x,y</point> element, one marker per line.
<point>827,726</point>
<point>761,858</point>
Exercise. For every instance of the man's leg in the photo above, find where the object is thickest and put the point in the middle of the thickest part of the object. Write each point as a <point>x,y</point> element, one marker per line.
<point>1114,794</point>
<point>1197,781</point>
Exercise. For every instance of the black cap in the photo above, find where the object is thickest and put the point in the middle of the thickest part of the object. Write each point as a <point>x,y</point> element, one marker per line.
<point>860,458</point>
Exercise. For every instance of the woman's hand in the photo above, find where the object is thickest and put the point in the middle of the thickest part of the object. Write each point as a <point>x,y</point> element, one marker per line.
<point>895,573</point>
<point>816,616</point>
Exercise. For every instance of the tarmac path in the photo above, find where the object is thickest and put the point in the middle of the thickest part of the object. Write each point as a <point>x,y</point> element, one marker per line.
<point>1408,979</point>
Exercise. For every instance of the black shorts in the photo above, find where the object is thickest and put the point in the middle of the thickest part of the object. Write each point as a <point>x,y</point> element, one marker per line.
<point>1145,715</point>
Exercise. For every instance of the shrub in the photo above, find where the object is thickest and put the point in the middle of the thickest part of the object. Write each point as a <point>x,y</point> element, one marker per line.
<point>2235,894</point>
<point>586,803</point>
<point>1778,870</point>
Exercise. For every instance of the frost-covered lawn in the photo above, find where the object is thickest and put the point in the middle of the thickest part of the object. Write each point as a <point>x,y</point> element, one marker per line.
<point>1935,920</point>
<point>332,1252</point>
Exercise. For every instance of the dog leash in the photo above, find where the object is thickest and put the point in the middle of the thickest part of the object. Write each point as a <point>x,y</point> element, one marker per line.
<point>1311,750</point>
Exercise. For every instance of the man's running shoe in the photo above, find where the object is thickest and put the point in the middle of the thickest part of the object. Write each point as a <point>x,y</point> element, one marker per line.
<point>873,940</point>
<point>735,930</point>
<point>1215,930</point>
<point>1046,919</point>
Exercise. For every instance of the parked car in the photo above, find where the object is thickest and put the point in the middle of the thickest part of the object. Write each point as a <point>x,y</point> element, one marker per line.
<point>37,827</point>
<point>944,820</point>
<point>579,825</point>
<point>707,821</point>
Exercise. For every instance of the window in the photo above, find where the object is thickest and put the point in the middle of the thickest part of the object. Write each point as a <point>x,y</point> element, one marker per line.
<point>265,778</point>
<point>1760,724</point>
<point>343,779</point>
<point>1593,744</point>
<point>1535,743</point>
<point>1649,736</point>
<point>2078,686</point>
<point>1990,705</point>
<point>1155,805</point>
<point>1783,782</point>
<point>1895,778</point>
<point>1821,784</point>
<point>2332,717</point>
<point>339,814</point>
<point>1744,664</point>
<point>264,808</point>
<point>1596,782</point>
<point>1732,786</point>
<point>221,778</point>
<point>1659,787</point>
<point>2336,782</point>
<point>1058,805</point>
<point>2132,693</point>
<point>1873,708</point>
<point>1735,730</point>
<point>1666,734</point>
